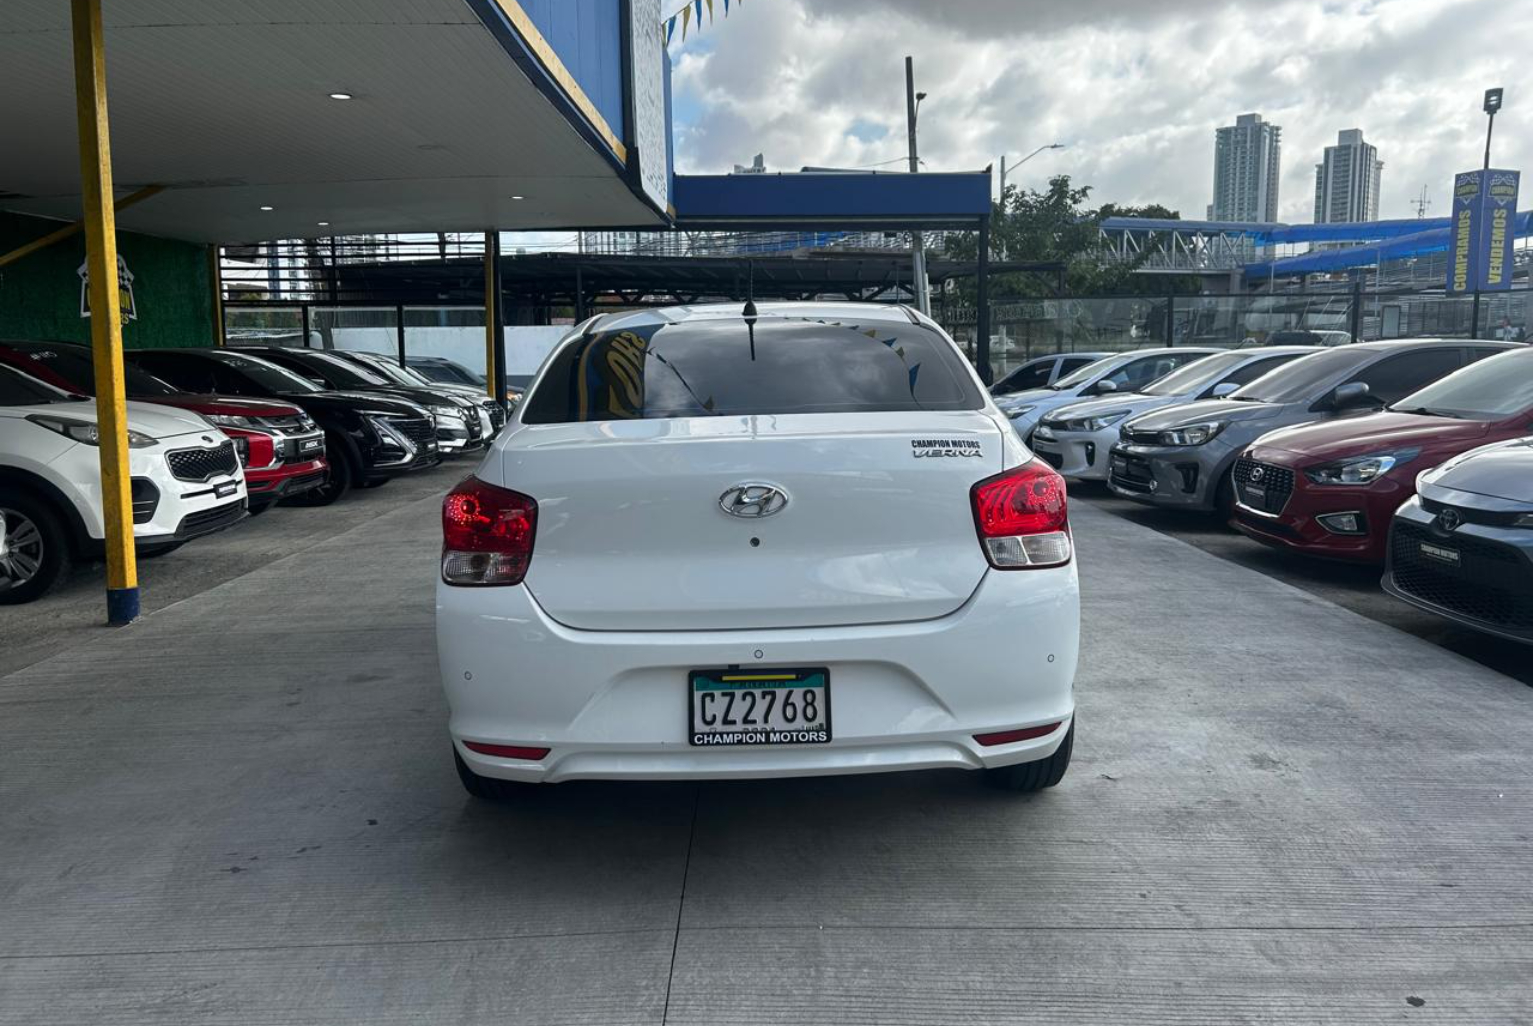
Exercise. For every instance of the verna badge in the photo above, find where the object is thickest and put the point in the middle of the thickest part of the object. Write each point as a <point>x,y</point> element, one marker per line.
<point>753,500</point>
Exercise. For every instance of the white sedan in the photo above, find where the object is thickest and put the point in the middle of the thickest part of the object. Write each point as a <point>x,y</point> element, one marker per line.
<point>1074,439</point>
<point>797,542</point>
<point>1121,372</point>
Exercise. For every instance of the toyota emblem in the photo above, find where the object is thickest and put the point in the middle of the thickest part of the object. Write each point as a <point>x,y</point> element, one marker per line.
<point>1449,519</point>
<point>753,499</point>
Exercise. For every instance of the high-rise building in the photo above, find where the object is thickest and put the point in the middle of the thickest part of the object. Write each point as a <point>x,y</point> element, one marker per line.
<point>1247,157</point>
<point>1347,181</point>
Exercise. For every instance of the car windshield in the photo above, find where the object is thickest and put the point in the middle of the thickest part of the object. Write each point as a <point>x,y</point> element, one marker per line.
<point>19,389</point>
<point>267,374</point>
<point>1085,374</point>
<point>1299,380</point>
<point>1197,375</point>
<point>727,367</point>
<point>446,370</point>
<point>1488,389</point>
<point>74,365</point>
<point>383,367</point>
<point>341,372</point>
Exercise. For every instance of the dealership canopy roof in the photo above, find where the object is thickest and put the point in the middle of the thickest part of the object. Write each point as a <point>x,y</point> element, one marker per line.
<point>463,115</point>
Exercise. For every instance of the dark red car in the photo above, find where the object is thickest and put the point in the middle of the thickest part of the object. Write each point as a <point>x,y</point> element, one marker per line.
<point>281,448</point>
<point>1343,479</point>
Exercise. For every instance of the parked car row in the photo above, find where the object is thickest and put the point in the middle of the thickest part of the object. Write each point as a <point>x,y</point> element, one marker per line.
<point>1416,455</point>
<point>214,435</point>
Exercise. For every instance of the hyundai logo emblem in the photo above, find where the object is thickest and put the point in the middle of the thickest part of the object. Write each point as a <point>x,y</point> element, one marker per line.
<point>1449,519</point>
<point>1257,473</point>
<point>753,499</point>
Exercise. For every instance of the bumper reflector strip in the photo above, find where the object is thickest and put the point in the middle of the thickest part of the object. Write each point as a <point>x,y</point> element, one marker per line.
<point>1006,737</point>
<point>506,751</point>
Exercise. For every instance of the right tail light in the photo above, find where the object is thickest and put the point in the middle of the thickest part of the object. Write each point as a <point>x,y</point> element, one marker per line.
<point>487,534</point>
<point>1022,519</point>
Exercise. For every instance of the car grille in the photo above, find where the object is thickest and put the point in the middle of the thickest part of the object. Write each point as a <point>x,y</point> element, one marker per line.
<point>294,425</point>
<point>1139,437</point>
<point>202,464</point>
<point>1491,583</point>
<point>146,498</point>
<point>1129,472</point>
<point>1276,482</point>
<point>1468,515</point>
<point>208,520</point>
<point>497,415</point>
<point>419,431</point>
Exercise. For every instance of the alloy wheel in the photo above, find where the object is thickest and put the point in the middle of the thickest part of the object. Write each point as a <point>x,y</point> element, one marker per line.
<point>21,549</point>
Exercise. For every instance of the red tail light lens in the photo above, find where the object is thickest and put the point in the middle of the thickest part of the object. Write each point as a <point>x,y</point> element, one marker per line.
<point>506,751</point>
<point>487,534</point>
<point>1009,737</point>
<point>1022,519</point>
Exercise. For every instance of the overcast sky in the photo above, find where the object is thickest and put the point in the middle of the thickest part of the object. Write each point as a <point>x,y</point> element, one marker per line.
<point>1134,88</point>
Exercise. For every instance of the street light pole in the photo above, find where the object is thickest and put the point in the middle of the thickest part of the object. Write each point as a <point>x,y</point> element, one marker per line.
<point>1024,160</point>
<point>917,244</point>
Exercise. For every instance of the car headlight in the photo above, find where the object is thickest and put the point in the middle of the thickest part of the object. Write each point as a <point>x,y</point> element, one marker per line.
<point>87,432</point>
<point>1524,520</point>
<point>229,420</point>
<point>1192,434</point>
<point>447,411</point>
<point>1016,411</point>
<point>1097,423</point>
<point>1360,470</point>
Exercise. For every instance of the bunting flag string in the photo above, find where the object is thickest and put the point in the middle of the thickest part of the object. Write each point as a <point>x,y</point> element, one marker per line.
<point>687,14</point>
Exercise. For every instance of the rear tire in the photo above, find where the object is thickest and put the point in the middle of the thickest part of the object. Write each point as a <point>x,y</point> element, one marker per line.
<point>1036,775</point>
<point>37,553</point>
<point>486,789</point>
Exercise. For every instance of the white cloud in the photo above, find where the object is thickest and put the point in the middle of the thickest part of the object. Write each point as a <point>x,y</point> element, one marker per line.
<point>1134,88</point>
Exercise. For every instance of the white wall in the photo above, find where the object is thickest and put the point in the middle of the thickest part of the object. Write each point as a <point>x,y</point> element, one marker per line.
<point>526,346</point>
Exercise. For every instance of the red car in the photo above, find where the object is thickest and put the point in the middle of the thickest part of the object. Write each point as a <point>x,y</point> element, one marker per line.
<point>1343,479</point>
<point>282,449</point>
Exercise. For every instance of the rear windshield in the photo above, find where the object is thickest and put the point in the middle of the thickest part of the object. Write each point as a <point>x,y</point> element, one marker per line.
<point>729,368</point>
<point>1300,380</point>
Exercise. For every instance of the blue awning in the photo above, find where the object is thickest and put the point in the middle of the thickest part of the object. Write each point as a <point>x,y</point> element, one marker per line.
<point>832,200</point>
<point>1419,243</point>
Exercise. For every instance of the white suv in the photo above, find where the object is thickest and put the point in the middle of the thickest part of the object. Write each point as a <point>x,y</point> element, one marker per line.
<point>802,541</point>
<point>186,481</point>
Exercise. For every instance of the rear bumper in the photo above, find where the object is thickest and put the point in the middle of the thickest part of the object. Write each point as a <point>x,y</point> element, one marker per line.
<point>613,704</point>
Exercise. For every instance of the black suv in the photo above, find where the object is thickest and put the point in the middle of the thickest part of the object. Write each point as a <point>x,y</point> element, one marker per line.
<point>459,427</point>
<point>382,365</point>
<point>369,437</point>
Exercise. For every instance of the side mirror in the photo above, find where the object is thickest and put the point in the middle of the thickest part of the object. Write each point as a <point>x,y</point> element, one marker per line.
<point>1351,396</point>
<point>1104,387</point>
<point>1223,389</point>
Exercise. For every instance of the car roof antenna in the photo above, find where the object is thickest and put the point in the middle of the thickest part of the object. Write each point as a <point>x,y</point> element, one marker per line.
<point>749,313</point>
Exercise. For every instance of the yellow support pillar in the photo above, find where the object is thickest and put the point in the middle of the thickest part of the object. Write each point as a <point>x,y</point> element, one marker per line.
<point>491,311</point>
<point>216,276</point>
<point>105,312</point>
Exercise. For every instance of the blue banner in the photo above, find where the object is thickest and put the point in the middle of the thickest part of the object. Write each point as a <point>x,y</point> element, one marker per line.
<point>1497,229</point>
<point>1464,235</point>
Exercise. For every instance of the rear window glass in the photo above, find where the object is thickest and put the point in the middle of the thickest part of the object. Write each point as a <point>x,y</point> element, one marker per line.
<point>729,368</point>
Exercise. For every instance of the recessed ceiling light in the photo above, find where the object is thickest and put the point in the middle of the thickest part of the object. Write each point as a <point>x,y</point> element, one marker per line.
<point>340,96</point>
<point>268,208</point>
<point>518,197</point>
<point>323,224</point>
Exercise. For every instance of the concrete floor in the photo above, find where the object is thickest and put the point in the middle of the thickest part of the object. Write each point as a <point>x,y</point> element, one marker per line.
<point>243,811</point>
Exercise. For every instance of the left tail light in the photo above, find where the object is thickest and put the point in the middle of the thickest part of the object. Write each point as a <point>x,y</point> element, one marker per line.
<point>487,534</point>
<point>1022,519</point>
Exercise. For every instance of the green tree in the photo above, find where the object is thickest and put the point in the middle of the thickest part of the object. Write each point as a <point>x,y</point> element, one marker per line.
<point>1056,226</point>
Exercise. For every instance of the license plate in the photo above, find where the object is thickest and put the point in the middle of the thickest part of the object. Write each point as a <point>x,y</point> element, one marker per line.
<point>1441,553</point>
<point>311,445</point>
<point>758,707</point>
<point>225,489</point>
<point>1254,495</point>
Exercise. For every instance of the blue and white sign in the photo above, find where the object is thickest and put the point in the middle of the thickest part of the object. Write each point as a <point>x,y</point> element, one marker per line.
<point>1463,240</point>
